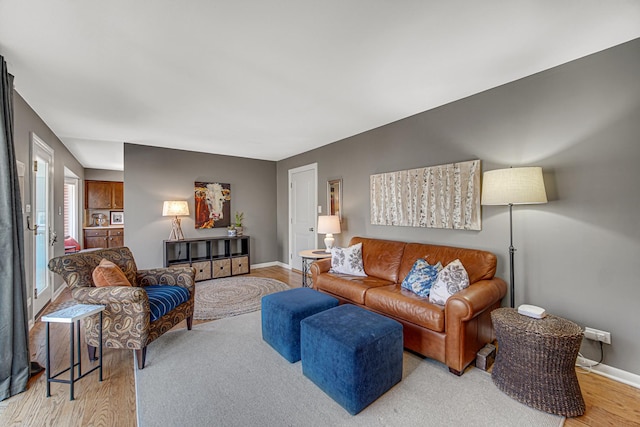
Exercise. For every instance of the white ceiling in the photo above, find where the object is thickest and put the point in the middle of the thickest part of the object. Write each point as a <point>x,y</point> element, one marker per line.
<point>270,79</point>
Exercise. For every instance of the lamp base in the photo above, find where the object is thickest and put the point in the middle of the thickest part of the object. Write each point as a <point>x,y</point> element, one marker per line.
<point>328,242</point>
<point>176,230</point>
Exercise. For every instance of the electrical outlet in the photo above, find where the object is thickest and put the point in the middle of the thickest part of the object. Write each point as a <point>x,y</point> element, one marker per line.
<point>597,335</point>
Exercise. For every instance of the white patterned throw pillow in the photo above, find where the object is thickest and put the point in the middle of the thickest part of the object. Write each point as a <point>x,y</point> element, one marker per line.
<point>451,279</point>
<point>347,260</point>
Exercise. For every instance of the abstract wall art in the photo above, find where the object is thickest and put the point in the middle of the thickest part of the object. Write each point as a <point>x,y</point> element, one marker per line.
<point>213,205</point>
<point>445,196</point>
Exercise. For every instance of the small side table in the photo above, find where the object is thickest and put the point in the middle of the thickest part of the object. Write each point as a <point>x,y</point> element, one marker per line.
<point>72,315</point>
<point>535,363</point>
<point>308,257</point>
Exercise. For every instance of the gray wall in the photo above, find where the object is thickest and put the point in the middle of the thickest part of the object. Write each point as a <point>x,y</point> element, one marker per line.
<point>103,175</point>
<point>153,175</point>
<point>576,255</point>
<point>27,121</point>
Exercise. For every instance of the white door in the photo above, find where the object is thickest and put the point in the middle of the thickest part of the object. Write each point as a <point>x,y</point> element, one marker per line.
<point>40,221</point>
<point>303,196</point>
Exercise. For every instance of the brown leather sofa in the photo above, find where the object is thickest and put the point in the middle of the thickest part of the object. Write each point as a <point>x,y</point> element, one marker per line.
<point>451,334</point>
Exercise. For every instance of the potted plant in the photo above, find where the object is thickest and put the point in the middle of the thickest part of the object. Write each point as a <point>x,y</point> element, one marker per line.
<point>238,223</point>
<point>231,231</point>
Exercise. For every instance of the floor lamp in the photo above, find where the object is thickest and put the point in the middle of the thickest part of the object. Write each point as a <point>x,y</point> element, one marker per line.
<point>513,186</point>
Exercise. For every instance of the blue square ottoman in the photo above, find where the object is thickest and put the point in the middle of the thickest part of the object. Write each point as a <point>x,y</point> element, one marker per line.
<point>352,354</point>
<point>281,316</point>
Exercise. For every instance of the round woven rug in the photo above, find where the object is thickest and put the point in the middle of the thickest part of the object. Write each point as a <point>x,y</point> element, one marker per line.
<point>231,296</point>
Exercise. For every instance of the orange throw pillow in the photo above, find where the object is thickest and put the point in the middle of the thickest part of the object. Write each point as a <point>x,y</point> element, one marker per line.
<point>109,274</point>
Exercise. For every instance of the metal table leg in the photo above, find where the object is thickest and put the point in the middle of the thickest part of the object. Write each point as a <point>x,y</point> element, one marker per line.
<point>305,272</point>
<point>71,362</point>
<point>100,338</point>
<point>48,365</point>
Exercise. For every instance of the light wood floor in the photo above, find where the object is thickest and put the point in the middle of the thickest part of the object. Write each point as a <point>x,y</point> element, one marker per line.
<point>112,402</point>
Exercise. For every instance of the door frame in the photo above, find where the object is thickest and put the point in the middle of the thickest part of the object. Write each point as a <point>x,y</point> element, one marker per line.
<point>37,144</point>
<point>313,167</point>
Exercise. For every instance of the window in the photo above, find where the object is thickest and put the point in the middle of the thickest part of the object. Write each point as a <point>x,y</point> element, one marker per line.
<point>71,207</point>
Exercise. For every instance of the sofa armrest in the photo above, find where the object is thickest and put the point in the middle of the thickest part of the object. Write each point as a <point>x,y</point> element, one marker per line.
<point>184,277</point>
<point>467,320</point>
<point>126,316</point>
<point>110,295</point>
<point>318,267</point>
<point>470,302</point>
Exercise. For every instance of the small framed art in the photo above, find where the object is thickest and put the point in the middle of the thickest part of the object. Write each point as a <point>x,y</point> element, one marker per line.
<point>117,217</point>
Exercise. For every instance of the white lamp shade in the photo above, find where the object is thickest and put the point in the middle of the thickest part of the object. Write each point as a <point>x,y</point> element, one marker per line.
<point>175,208</point>
<point>328,224</point>
<point>518,186</point>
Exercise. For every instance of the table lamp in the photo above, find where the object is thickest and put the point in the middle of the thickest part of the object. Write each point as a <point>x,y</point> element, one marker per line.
<point>175,208</point>
<point>328,224</point>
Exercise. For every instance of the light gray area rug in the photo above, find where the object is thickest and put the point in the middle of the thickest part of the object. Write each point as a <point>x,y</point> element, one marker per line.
<point>231,296</point>
<point>223,374</point>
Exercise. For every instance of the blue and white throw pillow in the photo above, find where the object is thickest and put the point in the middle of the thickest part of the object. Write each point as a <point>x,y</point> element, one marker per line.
<point>421,277</point>
<point>451,279</point>
<point>347,260</point>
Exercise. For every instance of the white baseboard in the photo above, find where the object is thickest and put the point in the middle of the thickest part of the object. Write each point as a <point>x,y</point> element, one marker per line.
<point>59,291</point>
<point>53,298</point>
<point>271,264</point>
<point>610,372</point>
<point>283,265</point>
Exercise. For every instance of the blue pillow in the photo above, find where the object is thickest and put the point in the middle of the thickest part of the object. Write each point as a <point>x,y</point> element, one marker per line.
<point>421,277</point>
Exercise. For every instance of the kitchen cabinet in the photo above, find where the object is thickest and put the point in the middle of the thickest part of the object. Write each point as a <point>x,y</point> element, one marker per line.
<point>103,238</point>
<point>104,195</point>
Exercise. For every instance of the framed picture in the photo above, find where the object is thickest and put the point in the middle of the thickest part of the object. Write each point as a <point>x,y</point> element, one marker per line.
<point>117,218</point>
<point>334,197</point>
<point>213,204</point>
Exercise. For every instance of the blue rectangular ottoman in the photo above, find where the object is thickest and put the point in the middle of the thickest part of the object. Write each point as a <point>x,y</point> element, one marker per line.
<point>281,316</point>
<point>352,354</point>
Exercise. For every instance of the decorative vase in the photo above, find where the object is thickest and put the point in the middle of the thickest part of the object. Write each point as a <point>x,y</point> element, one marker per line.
<point>238,231</point>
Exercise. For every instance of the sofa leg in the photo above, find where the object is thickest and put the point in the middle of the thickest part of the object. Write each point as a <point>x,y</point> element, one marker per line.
<point>92,352</point>
<point>455,372</point>
<point>189,322</point>
<point>141,355</point>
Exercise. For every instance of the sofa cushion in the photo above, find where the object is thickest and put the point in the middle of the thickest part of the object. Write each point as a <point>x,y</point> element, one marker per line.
<point>403,304</point>
<point>109,274</point>
<point>381,258</point>
<point>421,277</point>
<point>350,288</point>
<point>347,260</point>
<point>453,278</point>
<point>480,265</point>
<point>164,298</point>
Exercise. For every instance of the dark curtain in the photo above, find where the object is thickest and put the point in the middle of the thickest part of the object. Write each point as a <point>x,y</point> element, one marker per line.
<point>14,327</point>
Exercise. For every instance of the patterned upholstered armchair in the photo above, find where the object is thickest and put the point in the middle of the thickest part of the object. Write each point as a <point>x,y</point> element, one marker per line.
<point>134,315</point>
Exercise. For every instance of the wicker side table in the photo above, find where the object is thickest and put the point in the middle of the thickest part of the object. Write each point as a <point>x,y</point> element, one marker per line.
<point>536,359</point>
